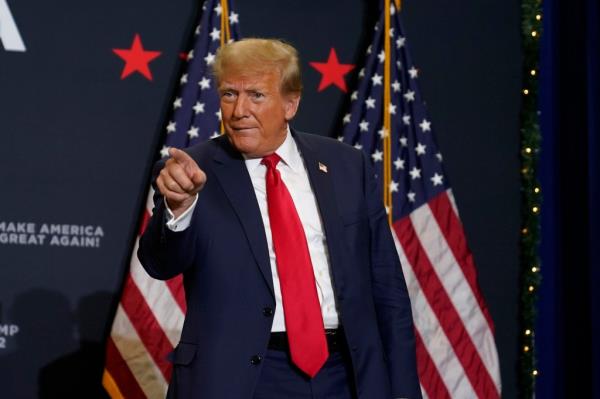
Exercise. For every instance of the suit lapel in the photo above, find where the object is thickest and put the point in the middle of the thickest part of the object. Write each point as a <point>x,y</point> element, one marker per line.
<point>233,177</point>
<point>317,166</point>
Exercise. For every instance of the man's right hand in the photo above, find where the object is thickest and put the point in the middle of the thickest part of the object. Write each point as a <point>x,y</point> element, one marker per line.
<point>180,180</point>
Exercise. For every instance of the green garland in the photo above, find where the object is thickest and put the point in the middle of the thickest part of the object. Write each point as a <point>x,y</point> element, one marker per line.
<point>531,195</point>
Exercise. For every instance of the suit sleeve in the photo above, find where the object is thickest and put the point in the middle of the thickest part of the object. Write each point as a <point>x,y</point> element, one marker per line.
<point>162,252</point>
<point>392,303</point>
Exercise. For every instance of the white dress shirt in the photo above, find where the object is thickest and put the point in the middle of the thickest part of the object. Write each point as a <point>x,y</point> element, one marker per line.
<point>294,175</point>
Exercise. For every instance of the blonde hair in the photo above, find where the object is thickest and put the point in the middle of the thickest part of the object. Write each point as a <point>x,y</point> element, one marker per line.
<point>254,56</point>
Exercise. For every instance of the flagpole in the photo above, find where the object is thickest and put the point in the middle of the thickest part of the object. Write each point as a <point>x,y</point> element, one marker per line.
<point>387,117</point>
<point>225,34</point>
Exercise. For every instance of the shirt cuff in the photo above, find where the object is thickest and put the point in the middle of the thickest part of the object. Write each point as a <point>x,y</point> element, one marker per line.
<point>183,221</point>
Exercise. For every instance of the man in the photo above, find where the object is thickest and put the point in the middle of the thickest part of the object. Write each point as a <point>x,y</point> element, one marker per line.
<point>293,284</point>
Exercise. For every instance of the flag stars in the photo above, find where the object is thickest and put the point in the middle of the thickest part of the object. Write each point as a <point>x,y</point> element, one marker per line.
<point>341,139</point>
<point>218,9</point>
<point>210,58</point>
<point>376,79</point>
<point>415,173</point>
<point>381,56</point>
<point>361,73</point>
<point>215,135</point>
<point>164,151</point>
<point>420,149</point>
<point>403,141</point>
<point>409,96</point>
<point>193,132</point>
<point>177,103</point>
<point>354,95</point>
<point>171,127</point>
<point>406,119</point>
<point>346,119</point>
<point>199,107</point>
<point>425,125</point>
<point>393,187</point>
<point>383,133</point>
<point>234,18</point>
<point>369,49</point>
<point>439,156</point>
<point>364,126</point>
<point>204,83</point>
<point>218,113</point>
<point>190,54</point>
<point>377,156</point>
<point>400,42</point>
<point>184,79</point>
<point>396,86</point>
<point>399,163</point>
<point>370,102</point>
<point>358,146</point>
<point>413,72</point>
<point>411,196</point>
<point>215,34</point>
<point>437,180</point>
<point>392,109</point>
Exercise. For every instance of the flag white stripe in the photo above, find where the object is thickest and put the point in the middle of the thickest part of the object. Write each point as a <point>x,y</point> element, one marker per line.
<point>135,354</point>
<point>457,287</point>
<point>434,339</point>
<point>159,299</point>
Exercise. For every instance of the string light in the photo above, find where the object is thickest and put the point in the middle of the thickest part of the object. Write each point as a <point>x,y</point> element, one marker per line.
<point>531,193</point>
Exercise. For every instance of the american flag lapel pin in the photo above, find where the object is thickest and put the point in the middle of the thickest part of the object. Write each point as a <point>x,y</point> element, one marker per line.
<point>322,167</point>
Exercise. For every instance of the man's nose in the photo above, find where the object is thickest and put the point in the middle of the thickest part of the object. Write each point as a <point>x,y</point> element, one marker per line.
<point>240,108</point>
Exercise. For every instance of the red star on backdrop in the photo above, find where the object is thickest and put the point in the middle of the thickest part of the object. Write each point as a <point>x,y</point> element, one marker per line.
<point>136,59</point>
<point>333,72</point>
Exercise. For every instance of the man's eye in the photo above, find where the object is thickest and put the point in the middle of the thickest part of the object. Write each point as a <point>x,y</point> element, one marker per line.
<point>227,95</point>
<point>257,95</point>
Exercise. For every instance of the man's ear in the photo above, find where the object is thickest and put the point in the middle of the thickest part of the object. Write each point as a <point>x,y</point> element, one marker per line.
<point>292,101</point>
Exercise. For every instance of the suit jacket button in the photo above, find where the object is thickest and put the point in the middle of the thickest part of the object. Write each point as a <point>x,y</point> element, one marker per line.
<point>256,359</point>
<point>268,312</point>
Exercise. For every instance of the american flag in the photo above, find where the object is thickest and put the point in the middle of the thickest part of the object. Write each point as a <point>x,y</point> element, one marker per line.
<point>456,352</point>
<point>149,318</point>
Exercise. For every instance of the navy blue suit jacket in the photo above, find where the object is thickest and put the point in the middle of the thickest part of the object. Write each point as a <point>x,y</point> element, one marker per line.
<point>229,289</point>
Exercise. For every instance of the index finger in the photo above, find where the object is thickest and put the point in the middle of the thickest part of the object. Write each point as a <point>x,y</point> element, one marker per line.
<point>180,156</point>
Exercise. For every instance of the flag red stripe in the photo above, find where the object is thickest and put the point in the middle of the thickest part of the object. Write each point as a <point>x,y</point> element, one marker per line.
<point>120,372</point>
<point>453,232</point>
<point>149,330</point>
<point>428,373</point>
<point>176,287</point>
<point>445,311</point>
<point>145,219</point>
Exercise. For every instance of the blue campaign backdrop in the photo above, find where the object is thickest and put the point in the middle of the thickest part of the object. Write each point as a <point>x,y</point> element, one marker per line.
<point>78,138</point>
<point>568,325</point>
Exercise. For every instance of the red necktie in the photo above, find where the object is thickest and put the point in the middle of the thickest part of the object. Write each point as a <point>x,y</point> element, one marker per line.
<point>303,318</point>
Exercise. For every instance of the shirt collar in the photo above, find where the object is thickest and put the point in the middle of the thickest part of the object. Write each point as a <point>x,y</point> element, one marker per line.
<point>287,151</point>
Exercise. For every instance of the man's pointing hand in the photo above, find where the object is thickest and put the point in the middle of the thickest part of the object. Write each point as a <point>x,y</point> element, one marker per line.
<point>180,180</point>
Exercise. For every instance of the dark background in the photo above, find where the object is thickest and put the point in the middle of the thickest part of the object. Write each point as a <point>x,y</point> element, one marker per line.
<point>77,143</point>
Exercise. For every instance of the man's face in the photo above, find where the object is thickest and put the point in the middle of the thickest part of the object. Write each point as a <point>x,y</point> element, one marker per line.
<point>255,112</point>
